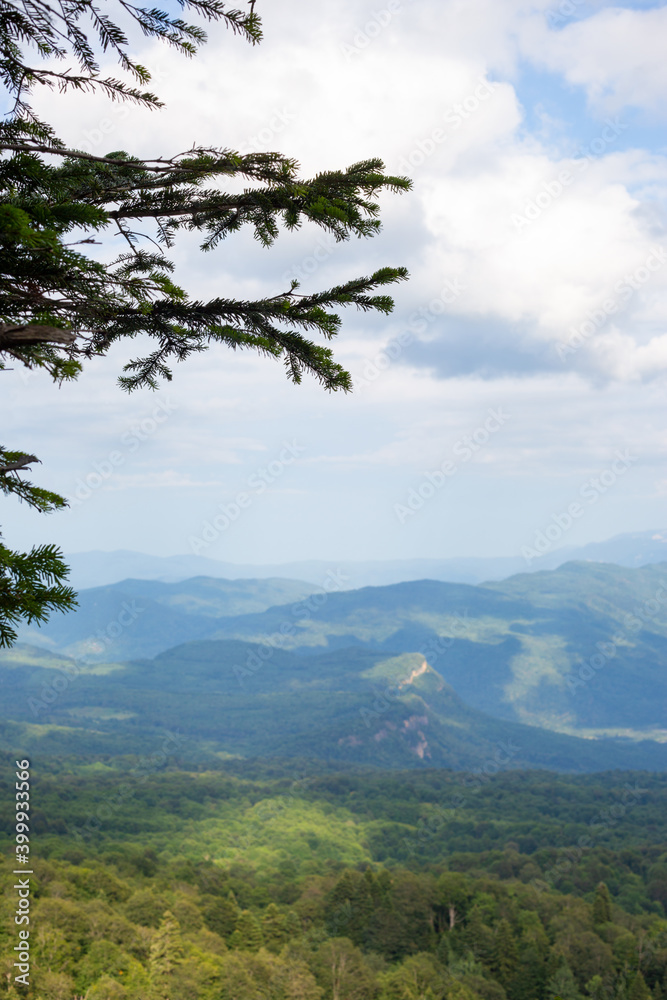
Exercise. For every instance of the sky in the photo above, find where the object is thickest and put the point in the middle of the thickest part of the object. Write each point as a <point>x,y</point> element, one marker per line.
<point>517,391</point>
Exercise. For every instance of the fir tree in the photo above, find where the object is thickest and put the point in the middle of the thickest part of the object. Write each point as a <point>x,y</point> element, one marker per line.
<point>248,934</point>
<point>563,985</point>
<point>602,905</point>
<point>505,953</point>
<point>639,990</point>
<point>165,954</point>
<point>60,307</point>
<point>31,583</point>
<point>479,937</point>
<point>529,978</point>
<point>221,915</point>
<point>351,906</point>
<point>275,931</point>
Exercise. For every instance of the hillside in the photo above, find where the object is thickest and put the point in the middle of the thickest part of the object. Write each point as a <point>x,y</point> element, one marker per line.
<point>580,649</point>
<point>238,699</point>
<point>139,618</point>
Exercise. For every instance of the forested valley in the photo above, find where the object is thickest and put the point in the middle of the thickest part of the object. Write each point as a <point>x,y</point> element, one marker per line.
<point>270,879</point>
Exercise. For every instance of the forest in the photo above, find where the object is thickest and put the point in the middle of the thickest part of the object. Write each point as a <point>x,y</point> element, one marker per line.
<point>269,879</point>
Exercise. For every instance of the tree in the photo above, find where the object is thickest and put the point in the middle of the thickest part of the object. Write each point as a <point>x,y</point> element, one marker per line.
<point>479,937</point>
<point>452,897</point>
<point>275,932</point>
<point>562,984</point>
<point>351,906</point>
<point>220,915</point>
<point>247,935</point>
<point>505,952</point>
<point>639,990</point>
<point>596,988</point>
<point>105,988</point>
<point>602,905</point>
<point>416,978</point>
<point>165,954</point>
<point>31,584</point>
<point>340,967</point>
<point>60,307</point>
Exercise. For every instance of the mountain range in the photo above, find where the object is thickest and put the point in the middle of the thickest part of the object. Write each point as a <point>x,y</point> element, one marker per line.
<point>97,569</point>
<point>234,699</point>
<point>279,667</point>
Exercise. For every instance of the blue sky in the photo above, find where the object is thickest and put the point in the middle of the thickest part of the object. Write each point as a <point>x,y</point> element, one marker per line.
<point>535,237</point>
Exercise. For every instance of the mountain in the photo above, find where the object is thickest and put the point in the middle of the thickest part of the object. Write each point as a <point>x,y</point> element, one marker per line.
<point>237,699</point>
<point>638,548</point>
<point>580,649</point>
<point>139,618</point>
<point>97,569</point>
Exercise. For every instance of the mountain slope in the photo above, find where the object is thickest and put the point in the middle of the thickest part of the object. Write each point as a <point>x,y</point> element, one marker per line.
<point>139,618</point>
<point>580,649</point>
<point>233,698</point>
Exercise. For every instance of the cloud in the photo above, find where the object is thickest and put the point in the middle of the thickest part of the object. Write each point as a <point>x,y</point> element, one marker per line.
<point>517,248</point>
<point>617,55</point>
<point>539,239</point>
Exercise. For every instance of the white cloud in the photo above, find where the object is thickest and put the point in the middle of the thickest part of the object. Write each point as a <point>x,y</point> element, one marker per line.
<point>459,133</point>
<point>494,342</point>
<point>617,55</point>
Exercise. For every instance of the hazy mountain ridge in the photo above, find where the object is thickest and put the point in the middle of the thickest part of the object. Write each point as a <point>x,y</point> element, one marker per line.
<point>139,618</point>
<point>95,569</point>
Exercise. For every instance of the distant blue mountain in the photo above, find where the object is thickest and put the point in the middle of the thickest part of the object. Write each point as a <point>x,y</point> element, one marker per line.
<point>98,569</point>
<point>580,649</point>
